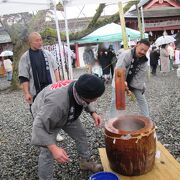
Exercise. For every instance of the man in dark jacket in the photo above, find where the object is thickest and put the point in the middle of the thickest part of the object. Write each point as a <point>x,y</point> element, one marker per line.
<point>59,106</point>
<point>112,59</point>
<point>154,57</point>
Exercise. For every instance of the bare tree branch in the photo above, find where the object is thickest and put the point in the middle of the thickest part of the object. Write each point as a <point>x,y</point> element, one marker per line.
<point>97,15</point>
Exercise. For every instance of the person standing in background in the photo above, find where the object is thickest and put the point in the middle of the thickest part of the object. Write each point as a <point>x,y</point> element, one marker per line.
<point>112,59</point>
<point>171,51</point>
<point>154,57</point>
<point>177,57</point>
<point>8,67</point>
<point>97,69</point>
<point>164,59</point>
<point>104,61</point>
<point>37,68</point>
<point>89,59</point>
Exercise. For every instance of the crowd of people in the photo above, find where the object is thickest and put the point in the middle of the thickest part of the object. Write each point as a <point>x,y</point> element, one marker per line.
<point>164,56</point>
<point>101,64</point>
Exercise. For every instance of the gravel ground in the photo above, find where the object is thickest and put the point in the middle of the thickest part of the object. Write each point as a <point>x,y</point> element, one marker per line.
<point>19,158</point>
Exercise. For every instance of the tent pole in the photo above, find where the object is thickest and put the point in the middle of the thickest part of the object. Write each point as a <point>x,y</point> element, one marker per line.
<point>59,42</point>
<point>68,44</point>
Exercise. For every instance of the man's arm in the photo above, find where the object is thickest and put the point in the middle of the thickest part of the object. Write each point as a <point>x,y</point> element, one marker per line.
<point>97,119</point>
<point>27,95</point>
<point>24,81</point>
<point>124,59</point>
<point>45,128</point>
<point>58,153</point>
<point>46,121</point>
<point>24,76</point>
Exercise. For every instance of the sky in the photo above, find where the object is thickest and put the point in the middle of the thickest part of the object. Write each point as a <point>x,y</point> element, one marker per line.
<point>81,11</point>
<point>87,11</point>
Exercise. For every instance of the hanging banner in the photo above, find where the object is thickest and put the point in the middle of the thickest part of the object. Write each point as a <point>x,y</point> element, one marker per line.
<point>82,2</point>
<point>55,51</point>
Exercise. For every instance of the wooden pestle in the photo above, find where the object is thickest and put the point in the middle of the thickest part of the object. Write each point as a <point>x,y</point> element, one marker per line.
<point>120,88</point>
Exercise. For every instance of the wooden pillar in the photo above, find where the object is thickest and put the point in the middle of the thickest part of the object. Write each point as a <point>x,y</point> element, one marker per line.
<point>123,26</point>
<point>2,70</point>
<point>77,55</point>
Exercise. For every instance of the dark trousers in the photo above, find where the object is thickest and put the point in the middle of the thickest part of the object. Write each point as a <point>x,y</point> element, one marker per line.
<point>154,67</point>
<point>112,69</point>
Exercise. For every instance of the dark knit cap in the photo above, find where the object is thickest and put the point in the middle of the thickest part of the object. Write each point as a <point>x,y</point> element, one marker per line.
<point>89,86</point>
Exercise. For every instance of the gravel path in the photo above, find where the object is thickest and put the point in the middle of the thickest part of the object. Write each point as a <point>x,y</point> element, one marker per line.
<point>19,158</point>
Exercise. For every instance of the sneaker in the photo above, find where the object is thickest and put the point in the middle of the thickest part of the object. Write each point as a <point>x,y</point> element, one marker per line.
<point>90,165</point>
<point>59,138</point>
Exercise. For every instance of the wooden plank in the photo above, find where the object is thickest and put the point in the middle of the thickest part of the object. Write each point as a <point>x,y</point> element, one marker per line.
<point>120,88</point>
<point>165,168</point>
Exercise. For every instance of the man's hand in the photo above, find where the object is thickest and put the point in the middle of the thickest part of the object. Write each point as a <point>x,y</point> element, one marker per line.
<point>129,93</point>
<point>28,98</point>
<point>97,118</point>
<point>59,154</point>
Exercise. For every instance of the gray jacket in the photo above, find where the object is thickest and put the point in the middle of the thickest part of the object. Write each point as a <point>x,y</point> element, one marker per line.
<point>124,61</point>
<point>25,68</point>
<point>88,56</point>
<point>50,111</point>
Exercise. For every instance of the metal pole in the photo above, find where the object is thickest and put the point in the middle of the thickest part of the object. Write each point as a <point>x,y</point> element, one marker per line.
<point>59,42</point>
<point>68,44</point>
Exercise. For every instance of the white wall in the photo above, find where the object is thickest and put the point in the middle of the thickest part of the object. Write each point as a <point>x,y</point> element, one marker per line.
<point>81,62</point>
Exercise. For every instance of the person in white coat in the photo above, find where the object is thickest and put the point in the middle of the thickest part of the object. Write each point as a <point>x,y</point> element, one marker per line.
<point>8,67</point>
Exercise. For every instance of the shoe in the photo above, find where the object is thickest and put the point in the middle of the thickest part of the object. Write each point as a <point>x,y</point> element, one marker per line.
<point>59,138</point>
<point>90,165</point>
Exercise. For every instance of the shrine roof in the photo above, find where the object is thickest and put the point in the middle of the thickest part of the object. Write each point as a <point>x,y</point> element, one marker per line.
<point>156,12</point>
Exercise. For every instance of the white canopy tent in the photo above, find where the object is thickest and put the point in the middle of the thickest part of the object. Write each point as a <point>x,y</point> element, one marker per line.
<point>110,33</point>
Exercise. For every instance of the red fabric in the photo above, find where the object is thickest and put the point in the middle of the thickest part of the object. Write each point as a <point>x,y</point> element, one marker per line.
<point>60,84</point>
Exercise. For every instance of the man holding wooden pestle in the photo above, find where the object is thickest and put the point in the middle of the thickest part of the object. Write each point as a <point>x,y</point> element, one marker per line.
<point>134,61</point>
